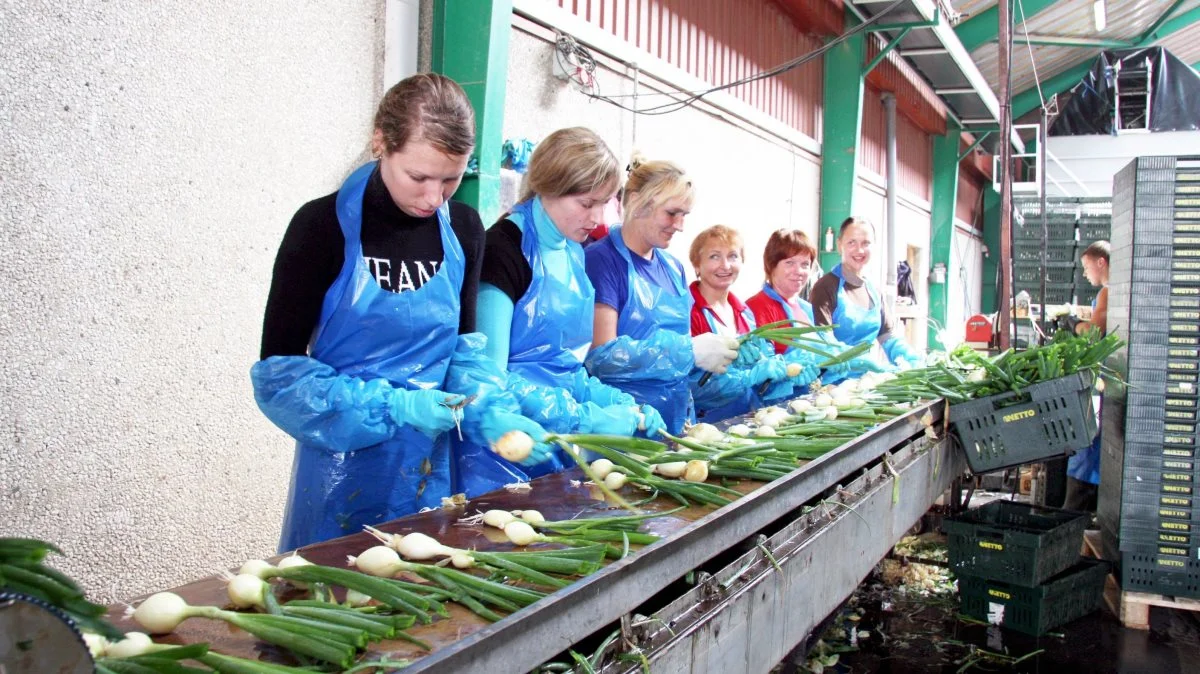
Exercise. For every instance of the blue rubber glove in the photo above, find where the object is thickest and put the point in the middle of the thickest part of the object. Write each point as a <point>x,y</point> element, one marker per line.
<point>653,421</point>
<point>864,364</point>
<point>611,420</point>
<point>806,377</point>
<point>427,411</point>
<point>773,368</point>
<point>835,373</point>
<point>495,422</point>
<point>751,351</point>
<point>897,351</point>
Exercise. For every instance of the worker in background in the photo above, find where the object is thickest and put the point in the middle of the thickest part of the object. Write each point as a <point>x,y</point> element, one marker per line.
<point>372,286</point>
<point>536,308</point>
<point>641,339</point>
<point>788,261</point>
<point>846,300</point>
<point>716,255</point>
<point>1083,467</point>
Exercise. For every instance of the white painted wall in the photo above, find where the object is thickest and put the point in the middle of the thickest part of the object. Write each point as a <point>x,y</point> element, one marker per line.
<point>152,155</point>
<point>745,177</point>
<point>1094,160</point>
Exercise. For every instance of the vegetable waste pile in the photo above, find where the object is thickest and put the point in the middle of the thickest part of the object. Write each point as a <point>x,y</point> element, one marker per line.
<point>358,613</point>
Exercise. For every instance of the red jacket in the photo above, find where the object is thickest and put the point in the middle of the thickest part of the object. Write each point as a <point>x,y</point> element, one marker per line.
<point>701,312</point>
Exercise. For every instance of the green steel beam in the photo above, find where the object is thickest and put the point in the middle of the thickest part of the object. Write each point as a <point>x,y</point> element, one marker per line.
<point>941,225</point>
<point>470,46</point>
<point>1051,41</point>
<point>991,239</point>
<point>1028,100</point>
<point>1158,23</point>
<point>979,138</point>
<point>884,52</point>
<point>840,137</point>
<point>984,26</point>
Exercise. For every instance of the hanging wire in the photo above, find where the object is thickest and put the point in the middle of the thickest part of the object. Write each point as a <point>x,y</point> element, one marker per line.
<point>1052,109</point>
<point>566,47</point>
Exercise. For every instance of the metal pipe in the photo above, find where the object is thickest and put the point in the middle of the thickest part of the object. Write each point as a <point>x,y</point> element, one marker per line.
<point>1005,322</point>
<point>1041,164</point>
<point>889,289</point>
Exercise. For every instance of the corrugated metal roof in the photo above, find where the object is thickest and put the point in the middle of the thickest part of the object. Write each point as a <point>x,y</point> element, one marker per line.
<point>1126,20</point>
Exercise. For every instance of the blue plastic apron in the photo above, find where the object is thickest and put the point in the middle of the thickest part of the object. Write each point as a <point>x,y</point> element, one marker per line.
<point>649,308</point>
<point>368,332</point>
<point>749,400</point>
<point>787,307</point>
<point>551,334</point>
<point>855,323</point>
<point>1084,465</point>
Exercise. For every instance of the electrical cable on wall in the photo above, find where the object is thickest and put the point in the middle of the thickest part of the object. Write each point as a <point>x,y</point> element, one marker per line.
<point>579,64</point>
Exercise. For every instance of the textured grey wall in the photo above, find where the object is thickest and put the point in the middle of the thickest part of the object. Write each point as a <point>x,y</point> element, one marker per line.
<point>151,155</point>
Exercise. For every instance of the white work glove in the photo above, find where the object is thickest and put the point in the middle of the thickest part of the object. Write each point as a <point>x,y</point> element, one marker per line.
<point>713,352</point>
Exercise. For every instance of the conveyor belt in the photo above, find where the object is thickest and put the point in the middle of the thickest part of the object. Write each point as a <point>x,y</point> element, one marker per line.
<point>522,641</point>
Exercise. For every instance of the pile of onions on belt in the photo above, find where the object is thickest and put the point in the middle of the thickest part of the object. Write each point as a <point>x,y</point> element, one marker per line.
<point>528,566</point>
<point>476,594</point>
<point>410,598</point>
<point>328,642</point>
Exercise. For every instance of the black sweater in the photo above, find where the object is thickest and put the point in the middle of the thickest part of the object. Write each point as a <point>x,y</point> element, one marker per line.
<point>401,251</point>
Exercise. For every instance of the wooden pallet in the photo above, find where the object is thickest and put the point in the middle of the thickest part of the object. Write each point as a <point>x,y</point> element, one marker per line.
<point>1131,608</point>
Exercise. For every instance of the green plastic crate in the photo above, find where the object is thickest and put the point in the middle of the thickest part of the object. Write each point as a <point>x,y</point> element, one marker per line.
<point>1013,542</point>
<point>1072,594</point>
<point>1049,419</point>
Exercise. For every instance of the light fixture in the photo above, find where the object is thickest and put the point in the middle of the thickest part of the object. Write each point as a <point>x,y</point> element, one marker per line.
<point>1100,15</point>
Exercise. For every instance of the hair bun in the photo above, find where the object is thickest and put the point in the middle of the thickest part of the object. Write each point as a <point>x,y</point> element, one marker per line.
<point>635,160</point>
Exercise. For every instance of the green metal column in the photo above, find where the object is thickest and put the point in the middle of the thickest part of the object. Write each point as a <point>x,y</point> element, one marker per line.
<point>470,46</point>
<point>941,225</point>
<point>842,126</point>
<point>991,239</point>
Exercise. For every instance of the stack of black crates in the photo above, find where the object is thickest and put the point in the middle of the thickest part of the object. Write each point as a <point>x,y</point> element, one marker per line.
<point>1071,225</point>
<point>1019,566</point>
<point>1149,509</point>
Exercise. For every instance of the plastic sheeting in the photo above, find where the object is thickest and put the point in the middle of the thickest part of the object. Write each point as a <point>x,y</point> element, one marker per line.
<point>1174,94</point>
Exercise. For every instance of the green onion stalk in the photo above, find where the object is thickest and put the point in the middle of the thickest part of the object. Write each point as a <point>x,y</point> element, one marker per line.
<point>22,570</point>
<point>144,656</point>
<point>328,642</point>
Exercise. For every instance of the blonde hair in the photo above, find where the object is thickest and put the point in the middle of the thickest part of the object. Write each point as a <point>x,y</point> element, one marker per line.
<point>570,161</point>
<point>652,183</point>
<point>430,107</point>
<point>718,233</point>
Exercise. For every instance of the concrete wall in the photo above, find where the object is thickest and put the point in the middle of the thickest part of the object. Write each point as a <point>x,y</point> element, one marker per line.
<point>745,178</point>
<point>152,155</point>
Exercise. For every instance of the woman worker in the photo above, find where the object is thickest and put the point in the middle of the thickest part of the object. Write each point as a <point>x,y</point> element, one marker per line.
<point>536,306</point>
<point>716,255</point>
<point>641,338</point>
<point>371,286</point>
<point>846,300</point>
<point>787,261</point>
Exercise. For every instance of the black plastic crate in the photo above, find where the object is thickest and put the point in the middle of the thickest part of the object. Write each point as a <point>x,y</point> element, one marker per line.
<point>1185,264</point>
<point>1060,227</point>
<point>1010,429</point>
<point>1160,574</point>
<point>1014,542</point>
<point>1073,594</point>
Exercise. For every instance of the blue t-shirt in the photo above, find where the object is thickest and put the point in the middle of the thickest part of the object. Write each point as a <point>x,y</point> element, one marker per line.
<point>609,274</point>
